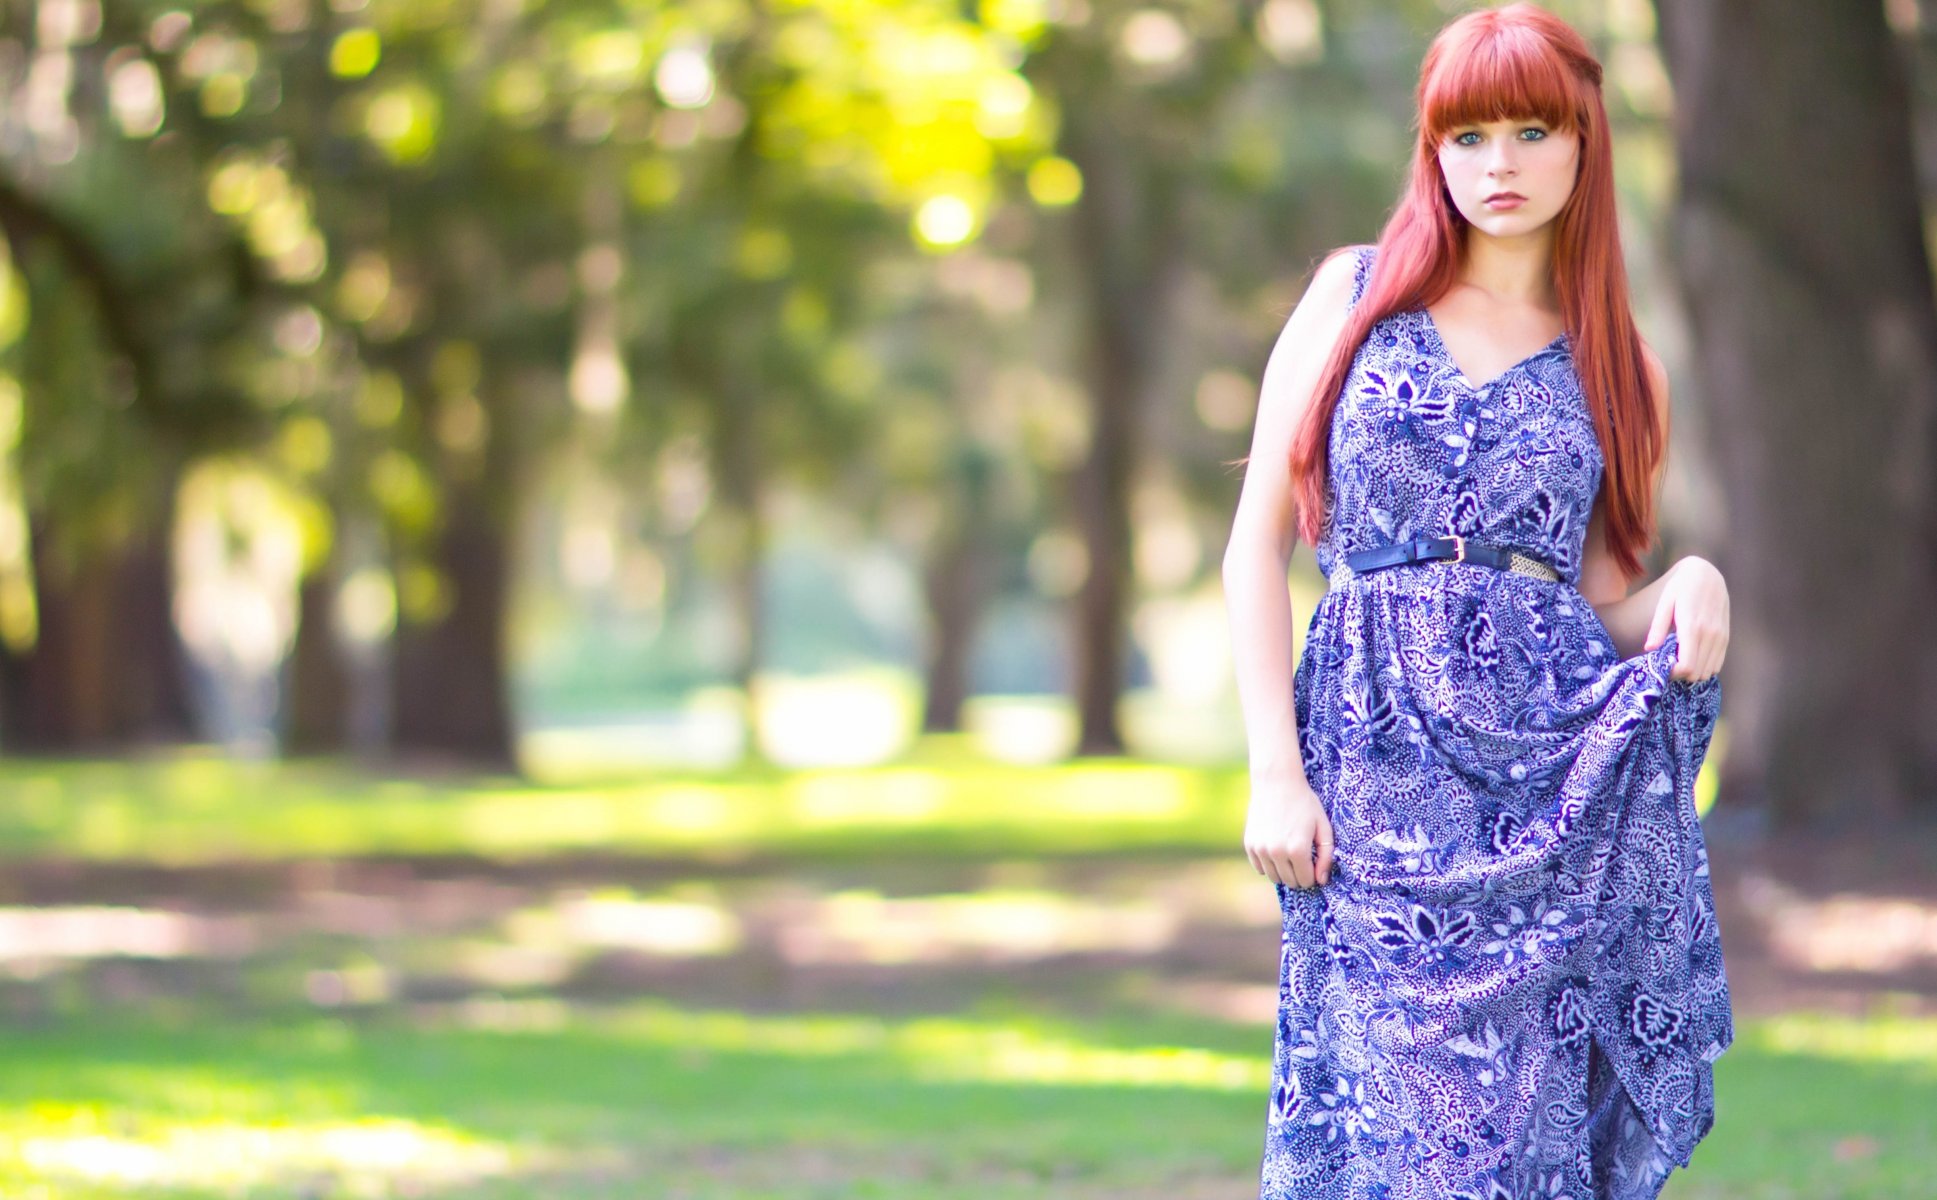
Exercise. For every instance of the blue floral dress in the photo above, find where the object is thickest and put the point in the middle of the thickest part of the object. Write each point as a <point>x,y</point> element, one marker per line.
<point>1512,987</point>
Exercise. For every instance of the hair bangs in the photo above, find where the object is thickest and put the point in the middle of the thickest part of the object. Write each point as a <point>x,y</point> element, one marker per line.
<point>1501,74</point>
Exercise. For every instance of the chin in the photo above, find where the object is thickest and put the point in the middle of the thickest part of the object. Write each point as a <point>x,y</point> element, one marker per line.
<point>1506,226</point>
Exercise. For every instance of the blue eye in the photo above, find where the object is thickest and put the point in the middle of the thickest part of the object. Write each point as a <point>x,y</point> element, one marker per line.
<point>1473,137</point>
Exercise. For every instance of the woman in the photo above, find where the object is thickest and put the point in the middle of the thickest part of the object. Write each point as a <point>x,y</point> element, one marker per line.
<point>1501,974</point>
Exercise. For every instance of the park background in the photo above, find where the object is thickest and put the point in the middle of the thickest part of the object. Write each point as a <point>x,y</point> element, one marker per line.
<point>620,598</point>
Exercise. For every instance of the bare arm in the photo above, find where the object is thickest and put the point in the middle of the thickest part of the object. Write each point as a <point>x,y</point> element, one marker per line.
<point>1626,615</point>
<point>1263,534</point>
<point>1264,529</point>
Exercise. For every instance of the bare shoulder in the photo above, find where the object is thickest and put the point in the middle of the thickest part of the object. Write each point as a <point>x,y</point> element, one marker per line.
<point>1314,325</point>
<point>1286,394</point>
<point>1332,280</point>
<point>1324,306</point>
<point>1657,375</point>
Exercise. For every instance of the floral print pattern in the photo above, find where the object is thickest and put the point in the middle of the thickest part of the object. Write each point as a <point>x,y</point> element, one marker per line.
<point>1512,985</point>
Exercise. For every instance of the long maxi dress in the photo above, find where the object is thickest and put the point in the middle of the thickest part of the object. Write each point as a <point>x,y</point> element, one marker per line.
<point>1512,986</point>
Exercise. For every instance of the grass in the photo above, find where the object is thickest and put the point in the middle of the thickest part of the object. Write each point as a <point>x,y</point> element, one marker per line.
<point>201,808</point>
<point>649,1099</point>
<point>1014,1082</point>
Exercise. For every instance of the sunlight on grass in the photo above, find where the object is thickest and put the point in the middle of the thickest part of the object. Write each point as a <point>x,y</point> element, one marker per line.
<point>1901,1041</point>
<point>961,1051</point>
<point>614,917</point>
<point>829,798</point>
<point>1083,793</point>
<point>697,811</point>
<point>803,1036</point>
<point>88,1145</point>
<point>958,1050</point>
<point>207,809</point>
<point>96,931</point>
<point>862,925</point>
<point>196,809</point>
<point>499,1097</point>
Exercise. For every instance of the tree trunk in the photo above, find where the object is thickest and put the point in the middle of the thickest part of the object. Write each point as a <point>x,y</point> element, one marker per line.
<point>1127,242</point>
<point>1799,242</point>
<point>954,601</point>
<point>449,683</point>
<point>956,585</point>
<point>149,672</point>
<point>60,702</point>
<point>316,695</point>
<point>107,668</point>
<point>736,464</point>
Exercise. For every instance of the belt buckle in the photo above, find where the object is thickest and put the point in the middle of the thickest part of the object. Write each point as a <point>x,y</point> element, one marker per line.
<point>1459,544</point>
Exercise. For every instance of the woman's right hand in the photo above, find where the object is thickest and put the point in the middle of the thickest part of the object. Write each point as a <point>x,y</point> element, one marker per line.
<point>1287,835</point>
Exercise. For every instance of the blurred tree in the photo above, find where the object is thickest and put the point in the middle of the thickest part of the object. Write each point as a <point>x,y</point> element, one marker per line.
<point>847,251</point>
<point>1800,241</point>
<point>801,284</point>
<point>139,327</point>
<point>1141,93</point>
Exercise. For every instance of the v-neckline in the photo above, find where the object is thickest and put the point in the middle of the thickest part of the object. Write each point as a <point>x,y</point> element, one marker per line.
<point>1446,352</point>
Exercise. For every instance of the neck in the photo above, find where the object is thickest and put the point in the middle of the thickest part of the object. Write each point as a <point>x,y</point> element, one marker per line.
<point>1517,268</point>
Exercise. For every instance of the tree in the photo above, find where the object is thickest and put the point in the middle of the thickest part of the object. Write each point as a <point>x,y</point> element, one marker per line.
<point>1135,89</point>
<point>1802,262</point>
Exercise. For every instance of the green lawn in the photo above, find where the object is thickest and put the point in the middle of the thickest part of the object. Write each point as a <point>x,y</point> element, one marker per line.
<point>193,1077</point>
<point>652,1100</point>
<point>199,808</point>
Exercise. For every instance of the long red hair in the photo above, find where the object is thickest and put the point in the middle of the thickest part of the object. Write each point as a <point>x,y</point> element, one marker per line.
<point>1504,64</point>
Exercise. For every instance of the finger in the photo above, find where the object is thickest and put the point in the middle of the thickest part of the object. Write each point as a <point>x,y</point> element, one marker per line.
<point>1664,617</point>
<point>1268,865</point>
<point>1301,862</point>
<point>1687,656</point>
<point>1324,850</point>
<point>1281,862</point>
<point>1701,657</point>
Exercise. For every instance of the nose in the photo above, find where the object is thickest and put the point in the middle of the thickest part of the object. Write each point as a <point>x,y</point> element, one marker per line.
<point>1500,163</point>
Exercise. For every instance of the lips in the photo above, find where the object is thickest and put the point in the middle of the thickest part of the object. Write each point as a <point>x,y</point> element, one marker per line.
<point>1504,196</point>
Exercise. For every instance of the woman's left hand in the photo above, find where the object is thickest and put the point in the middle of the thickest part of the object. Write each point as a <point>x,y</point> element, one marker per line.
<point>1695,602</point>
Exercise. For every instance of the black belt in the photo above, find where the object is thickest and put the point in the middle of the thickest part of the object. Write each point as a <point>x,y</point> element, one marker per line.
<point>1456,548</point>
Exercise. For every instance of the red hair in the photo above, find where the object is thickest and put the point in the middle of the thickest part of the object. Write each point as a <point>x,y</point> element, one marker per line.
<point>1503,64</point>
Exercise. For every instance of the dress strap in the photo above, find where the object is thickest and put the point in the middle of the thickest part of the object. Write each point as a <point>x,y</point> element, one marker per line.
<point>1361,272</point>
